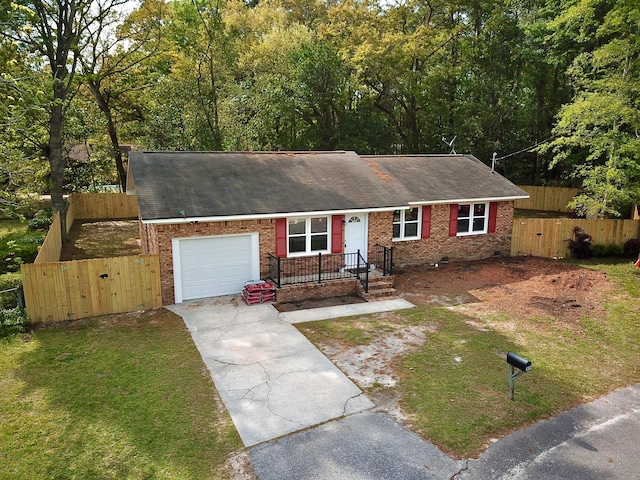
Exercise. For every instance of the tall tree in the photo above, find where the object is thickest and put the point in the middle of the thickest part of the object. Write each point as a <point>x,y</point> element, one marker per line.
<point>117,52</point>
<point>599,139</point>
<point>57,31</point>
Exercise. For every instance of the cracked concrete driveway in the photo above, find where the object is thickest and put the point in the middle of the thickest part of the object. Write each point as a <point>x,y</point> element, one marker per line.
<point>272,380</point>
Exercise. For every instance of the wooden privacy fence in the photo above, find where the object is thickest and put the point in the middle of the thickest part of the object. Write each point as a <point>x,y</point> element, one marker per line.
<point>550,237</point>
<point>51,248</point>
<point>549,199</point>
<point>86,288</point>
<point>102,206</point>
<point>55,290</point>
<point>86,206</point>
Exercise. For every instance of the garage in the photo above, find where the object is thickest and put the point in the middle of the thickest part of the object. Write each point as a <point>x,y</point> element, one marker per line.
<point>213,266</point>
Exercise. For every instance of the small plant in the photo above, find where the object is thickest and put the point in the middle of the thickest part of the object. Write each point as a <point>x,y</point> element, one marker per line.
<point>9,283</point>
<point>611,250</point>
<point>17,248</point>
<point>580,245</point>
<point>13,321</point>
<point>631,248</point>
<point>40,221</point>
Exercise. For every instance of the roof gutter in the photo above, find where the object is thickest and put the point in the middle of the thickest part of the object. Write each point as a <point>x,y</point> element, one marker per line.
<point>471,200</point>
<point>267,216</point>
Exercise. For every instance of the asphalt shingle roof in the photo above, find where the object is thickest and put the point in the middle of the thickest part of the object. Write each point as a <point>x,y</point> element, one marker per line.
<point>225,184</point>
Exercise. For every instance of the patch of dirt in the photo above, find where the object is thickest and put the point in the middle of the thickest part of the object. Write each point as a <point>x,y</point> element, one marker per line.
<point>521,287</point>
<point>508,289</point>
<point>113,238</point>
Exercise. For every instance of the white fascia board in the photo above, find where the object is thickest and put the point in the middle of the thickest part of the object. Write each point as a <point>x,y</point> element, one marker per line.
<point>471,200</point>
<point>232,218</point>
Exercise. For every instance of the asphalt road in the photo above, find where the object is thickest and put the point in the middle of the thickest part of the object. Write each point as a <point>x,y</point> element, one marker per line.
<point>596,441</point>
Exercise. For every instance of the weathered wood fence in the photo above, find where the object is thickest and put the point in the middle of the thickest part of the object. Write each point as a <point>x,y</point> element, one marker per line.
<point>549,199</point>
<point>55,290</point>
<point>550,237</point>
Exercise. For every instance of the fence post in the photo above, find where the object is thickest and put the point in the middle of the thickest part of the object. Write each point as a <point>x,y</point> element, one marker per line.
<point>391,261</point>
<point>319,267</point>
<point>279,272</point>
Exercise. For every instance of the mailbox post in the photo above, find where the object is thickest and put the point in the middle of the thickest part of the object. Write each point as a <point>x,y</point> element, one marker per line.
<point>523,365</point>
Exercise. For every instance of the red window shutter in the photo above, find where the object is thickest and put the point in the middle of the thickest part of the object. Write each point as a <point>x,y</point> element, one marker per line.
<point>426,221</point>
<point>281,237</point>
<point>493,216</point>
<point>336,233</point>
<point>453,220</point>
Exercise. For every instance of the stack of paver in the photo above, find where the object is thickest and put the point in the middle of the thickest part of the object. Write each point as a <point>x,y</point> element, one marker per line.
<point>258,292</point>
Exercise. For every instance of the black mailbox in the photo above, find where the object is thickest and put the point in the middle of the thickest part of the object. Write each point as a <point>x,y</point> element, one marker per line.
<point>518,361</point>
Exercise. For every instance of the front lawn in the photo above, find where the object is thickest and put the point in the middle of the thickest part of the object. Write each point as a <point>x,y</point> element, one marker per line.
<point>453,386</point>
<point>123,396</point>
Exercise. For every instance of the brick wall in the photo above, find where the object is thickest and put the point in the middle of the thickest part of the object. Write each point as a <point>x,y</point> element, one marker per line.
<point>471,247</point>
<point>307,291</point>
<point>157,239</point>
<point>165,233</point>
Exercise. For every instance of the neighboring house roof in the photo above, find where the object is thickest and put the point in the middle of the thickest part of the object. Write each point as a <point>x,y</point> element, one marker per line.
<point>181,186</point>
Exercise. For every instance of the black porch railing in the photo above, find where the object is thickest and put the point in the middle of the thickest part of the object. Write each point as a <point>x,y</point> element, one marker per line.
<point>383,258</point>
<point>318,268</point>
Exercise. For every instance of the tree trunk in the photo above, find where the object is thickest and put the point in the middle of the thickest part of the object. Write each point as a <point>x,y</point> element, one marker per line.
<point>103,104</point>
<point>57,163</point>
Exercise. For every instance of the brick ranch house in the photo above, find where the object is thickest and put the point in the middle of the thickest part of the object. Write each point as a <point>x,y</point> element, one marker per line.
<point>219,219</point>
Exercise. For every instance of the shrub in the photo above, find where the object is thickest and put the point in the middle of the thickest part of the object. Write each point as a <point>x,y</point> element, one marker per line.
<point>611,250</point>
<point>40,221</point>
<point>13,321</point>
<point>17,248</point>
<point>631,248</point>
<point>580,245</point>
<point>9,281</point>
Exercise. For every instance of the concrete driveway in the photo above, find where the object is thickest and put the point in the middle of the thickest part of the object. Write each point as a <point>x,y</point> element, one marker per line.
<point>272,380</point>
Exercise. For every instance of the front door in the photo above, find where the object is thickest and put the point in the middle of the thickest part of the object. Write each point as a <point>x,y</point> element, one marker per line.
<point>355,236</point>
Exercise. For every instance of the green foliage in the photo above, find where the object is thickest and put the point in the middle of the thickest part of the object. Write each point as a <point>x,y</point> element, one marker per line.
<point>18,248</point>
<point>13,321</point>
<point>40,221</point>
<point>611,250</point>
<point>598,143</point>
<point>9,281</point>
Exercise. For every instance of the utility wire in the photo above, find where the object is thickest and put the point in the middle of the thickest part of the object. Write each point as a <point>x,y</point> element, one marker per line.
<point>528,148</point>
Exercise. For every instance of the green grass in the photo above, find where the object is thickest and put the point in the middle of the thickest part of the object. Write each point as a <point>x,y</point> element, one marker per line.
<point>12,225</point>
<point>454,387</point>
<point>113,397</point>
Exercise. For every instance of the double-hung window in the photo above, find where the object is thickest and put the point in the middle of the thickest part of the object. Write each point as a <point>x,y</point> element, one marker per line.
<point>308,235</point>
<point>472,218</point>
<point>406,224</point>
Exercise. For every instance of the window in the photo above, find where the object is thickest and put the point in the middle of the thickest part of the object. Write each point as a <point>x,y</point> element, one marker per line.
<point>472,218</point>
<point>308,235</point>
<point>406,224</point>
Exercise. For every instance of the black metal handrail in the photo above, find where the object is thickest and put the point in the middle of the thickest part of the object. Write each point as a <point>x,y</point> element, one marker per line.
<point>318,268</point>
<point>384,259</point>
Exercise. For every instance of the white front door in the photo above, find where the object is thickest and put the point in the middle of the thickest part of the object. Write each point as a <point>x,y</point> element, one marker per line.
<point>355,235</point>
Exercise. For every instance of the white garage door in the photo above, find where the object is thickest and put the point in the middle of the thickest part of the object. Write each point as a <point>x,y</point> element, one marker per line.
<point>213,266</point>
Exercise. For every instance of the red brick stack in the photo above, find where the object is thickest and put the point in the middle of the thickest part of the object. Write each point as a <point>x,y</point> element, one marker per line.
<point>254,293</point>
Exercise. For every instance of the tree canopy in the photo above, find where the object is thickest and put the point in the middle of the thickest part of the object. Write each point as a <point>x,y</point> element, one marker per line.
<point>548,87</point>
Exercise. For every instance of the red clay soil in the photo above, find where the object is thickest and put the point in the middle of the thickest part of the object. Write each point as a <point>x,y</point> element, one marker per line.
<point>521,287</point>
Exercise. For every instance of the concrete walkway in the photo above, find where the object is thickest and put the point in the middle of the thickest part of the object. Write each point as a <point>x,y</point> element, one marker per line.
<point>272,380</point>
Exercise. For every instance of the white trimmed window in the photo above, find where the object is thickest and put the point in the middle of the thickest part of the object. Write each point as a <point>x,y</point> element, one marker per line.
<point>473,218</point>
<point>406,224</point>
<point>308,235</point>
